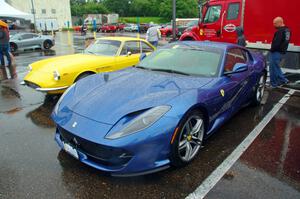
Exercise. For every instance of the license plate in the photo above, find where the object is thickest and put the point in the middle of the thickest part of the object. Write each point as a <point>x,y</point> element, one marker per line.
<point>69,149</point>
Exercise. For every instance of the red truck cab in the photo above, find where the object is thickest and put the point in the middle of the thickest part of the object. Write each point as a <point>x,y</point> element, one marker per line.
<point>219,20</point>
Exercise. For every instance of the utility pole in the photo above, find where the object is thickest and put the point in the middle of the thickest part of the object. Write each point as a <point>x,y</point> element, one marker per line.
<point>33,12</point>
<point>174,21</point>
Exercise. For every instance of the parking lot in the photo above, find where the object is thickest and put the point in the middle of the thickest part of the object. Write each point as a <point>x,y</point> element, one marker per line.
<point>260,146</point>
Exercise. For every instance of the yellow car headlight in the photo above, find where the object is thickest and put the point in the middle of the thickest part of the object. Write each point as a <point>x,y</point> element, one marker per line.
<point>56,75</point>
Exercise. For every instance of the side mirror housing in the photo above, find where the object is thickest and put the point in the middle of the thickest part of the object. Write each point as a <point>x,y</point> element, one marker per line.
<point>129,53</point>
<point>238,68</point>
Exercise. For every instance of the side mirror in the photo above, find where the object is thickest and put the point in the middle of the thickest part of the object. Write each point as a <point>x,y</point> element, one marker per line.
<point>143,56</point>
<point>238,68</point>
<point>129,53</point>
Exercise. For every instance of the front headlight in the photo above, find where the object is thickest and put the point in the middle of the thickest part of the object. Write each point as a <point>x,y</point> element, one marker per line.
<point>56,75</point>
<point>143,121</point>
<point>61,98</point>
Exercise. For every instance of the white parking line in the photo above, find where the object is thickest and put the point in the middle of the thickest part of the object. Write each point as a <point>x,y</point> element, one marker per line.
<point>221,170</point>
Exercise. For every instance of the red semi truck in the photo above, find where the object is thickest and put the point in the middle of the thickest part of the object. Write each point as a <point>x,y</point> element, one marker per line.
<point>220,18</point>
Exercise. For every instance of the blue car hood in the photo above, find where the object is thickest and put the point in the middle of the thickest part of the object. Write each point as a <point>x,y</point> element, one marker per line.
<point>106,98</point>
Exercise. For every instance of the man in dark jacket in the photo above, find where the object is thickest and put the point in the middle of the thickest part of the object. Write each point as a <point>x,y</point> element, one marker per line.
<point>279,47</point>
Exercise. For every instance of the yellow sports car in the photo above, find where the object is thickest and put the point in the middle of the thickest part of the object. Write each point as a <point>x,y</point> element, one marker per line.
<point>55,75</point>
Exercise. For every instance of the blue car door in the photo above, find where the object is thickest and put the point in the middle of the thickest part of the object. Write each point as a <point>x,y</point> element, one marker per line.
<point>230,92</point>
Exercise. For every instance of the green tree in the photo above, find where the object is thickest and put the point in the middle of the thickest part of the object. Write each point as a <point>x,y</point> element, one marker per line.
<point>184,8</point>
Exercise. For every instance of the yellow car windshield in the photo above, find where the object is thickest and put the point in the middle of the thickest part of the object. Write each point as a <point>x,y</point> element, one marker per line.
<point>104,47</point>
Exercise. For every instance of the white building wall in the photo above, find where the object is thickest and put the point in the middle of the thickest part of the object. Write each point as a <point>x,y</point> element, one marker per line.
<point>46,9</point>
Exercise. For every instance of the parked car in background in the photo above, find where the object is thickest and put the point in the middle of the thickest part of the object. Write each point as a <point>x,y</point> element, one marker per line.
<point>157,114</point>
<point>131,28</point>
<point>144,27</point>
<point>22,41</point>
<point>167,31</point>
<point>55,75</point>
<point>187,27</point>
<point>109,28</point>
<point>120,27</point>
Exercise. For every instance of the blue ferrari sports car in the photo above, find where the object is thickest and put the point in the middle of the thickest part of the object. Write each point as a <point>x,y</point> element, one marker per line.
<point>157,114</point>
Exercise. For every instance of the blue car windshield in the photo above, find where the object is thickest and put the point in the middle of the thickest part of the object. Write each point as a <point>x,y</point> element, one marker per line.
<point>104,47</point>
<point>186,60</point>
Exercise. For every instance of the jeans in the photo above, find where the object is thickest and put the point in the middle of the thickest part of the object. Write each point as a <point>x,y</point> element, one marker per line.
<point>276,76</point>
<point>154,43</point>
<point>4,50</point>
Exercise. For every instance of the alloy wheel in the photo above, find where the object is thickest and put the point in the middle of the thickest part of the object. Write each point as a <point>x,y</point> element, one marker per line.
<point>191,137</point>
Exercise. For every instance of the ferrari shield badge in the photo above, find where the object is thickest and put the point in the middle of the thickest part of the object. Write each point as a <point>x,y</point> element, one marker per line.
<point>222,92</point>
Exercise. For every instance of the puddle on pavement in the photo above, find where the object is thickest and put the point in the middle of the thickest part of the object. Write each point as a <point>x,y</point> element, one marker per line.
<point>9,93</point>
<point>41,116</point>
<point>13,111</point>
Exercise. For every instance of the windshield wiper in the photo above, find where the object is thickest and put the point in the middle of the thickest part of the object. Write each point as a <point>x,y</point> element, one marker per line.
<point>170,71</point>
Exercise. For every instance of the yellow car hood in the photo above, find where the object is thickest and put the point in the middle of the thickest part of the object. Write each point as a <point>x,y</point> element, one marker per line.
<point>68,61</point>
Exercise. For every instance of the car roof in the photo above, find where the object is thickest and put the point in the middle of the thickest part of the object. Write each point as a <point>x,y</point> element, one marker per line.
<point>120,38</point>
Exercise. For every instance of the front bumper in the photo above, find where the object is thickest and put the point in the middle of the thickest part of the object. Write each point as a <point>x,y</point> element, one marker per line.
<point>45,90</point>
<point>138,154</point>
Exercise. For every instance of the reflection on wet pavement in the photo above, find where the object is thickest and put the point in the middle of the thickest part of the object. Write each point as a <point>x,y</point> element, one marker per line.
<point>277,150</point>
<point>270,168</point>
<point>41,115</point>
<point>9,93</point>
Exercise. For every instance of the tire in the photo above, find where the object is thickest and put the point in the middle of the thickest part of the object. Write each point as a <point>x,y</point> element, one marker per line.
<point>83,75</point>
<point>259,90</point>
<point>168,34</point>
<point>188,39</point>
<point>187,143</point>
<point>13,47</point>
<point>47,44</point>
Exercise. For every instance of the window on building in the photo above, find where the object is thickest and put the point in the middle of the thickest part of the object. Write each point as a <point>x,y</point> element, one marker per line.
<point>53,11</point>
<point>44,11</point>
<point>233,11</point>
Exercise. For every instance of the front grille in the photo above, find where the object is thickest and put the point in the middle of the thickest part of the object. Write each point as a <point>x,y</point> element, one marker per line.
<point>97,153</point>
<point>31,85</point>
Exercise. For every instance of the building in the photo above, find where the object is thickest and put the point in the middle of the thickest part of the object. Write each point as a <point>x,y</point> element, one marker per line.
<point>49,14</point>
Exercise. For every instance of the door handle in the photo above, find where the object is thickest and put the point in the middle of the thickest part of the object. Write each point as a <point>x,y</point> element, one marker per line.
<point>218,33</point>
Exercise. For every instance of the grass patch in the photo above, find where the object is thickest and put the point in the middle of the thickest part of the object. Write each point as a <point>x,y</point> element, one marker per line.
<point>157,20</point>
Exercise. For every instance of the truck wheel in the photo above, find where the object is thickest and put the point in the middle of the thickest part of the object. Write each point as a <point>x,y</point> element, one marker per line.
<point>188,39</point>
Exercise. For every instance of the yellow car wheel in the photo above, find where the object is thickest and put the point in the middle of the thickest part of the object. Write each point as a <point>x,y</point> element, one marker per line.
<point>83,75</point>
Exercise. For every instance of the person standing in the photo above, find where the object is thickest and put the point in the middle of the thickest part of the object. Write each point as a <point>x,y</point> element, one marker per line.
<point>4,48</point>
<point>153,35</point>
<point>279,47</point>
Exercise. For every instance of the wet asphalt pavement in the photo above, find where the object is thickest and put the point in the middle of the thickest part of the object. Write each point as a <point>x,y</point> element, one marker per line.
<point>32,165</point>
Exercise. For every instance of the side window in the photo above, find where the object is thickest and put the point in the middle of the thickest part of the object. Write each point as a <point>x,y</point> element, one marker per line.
<point>26,36</point>
<point>233,11</point>
<point>248,56</point>
<point>213,14</point>
<point>233,57</point>
<point>34,36</point>
<point>131,46</point>
<point>146,48</point>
